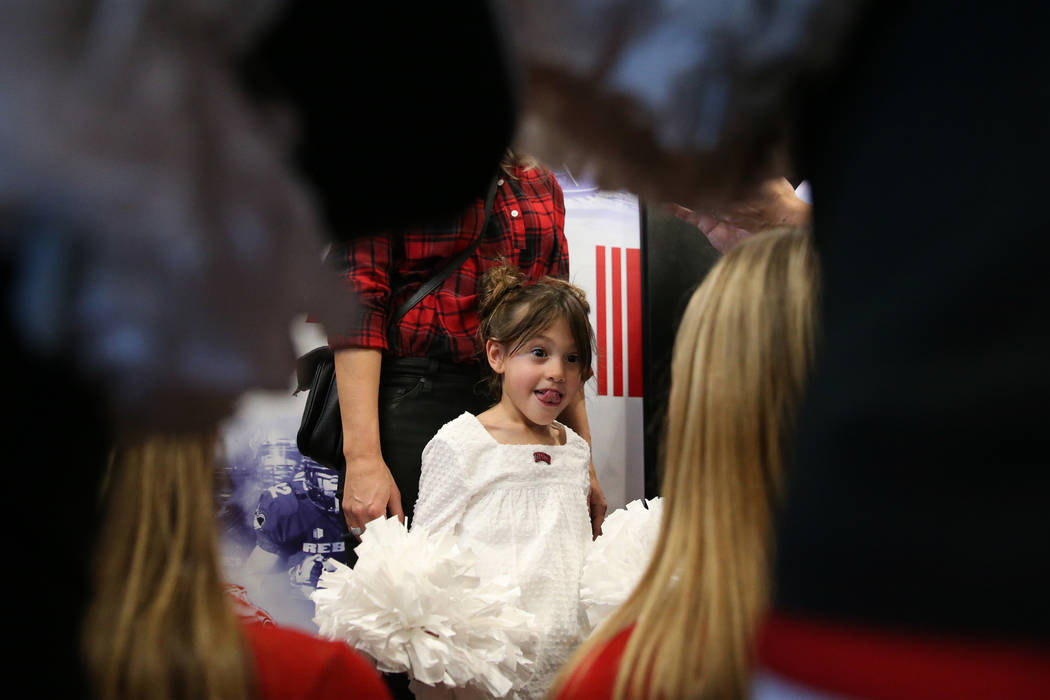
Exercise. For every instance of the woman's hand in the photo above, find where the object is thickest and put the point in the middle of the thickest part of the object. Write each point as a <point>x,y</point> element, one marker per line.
<point>369,493</point>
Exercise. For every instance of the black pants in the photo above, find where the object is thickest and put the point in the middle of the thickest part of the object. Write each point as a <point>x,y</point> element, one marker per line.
<point>416,398</point>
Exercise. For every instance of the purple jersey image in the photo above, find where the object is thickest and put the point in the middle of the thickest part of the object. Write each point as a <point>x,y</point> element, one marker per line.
<point>277,510</point>
<point>299,523</point>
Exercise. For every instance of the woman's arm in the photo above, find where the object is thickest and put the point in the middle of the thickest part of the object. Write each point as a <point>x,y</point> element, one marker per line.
<point>369,491</point>
<point>366,265</point>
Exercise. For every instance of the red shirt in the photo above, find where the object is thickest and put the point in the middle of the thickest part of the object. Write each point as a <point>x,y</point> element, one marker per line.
<point>844,661</point>
<point>596,680</point>
<point>292,665</point>
<point>528,221</point>
<point>858,662</point>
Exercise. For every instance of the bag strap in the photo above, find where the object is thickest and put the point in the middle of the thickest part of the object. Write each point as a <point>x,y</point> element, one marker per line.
<point>444,273</point>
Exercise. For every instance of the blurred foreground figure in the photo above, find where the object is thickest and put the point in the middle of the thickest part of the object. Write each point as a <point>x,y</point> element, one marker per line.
<point>741,357</point>
<point>154,247</point>
<point>158,231</point>
<point>915,529</point>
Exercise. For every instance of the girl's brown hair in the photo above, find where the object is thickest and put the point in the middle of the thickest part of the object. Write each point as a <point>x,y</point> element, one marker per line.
<point>740,360</point>
<point>512,310</point>
<point>160,625</point>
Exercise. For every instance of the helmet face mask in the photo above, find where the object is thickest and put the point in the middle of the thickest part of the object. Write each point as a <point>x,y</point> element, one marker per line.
<point>321,484</point>
<point>279,460</point>
<point>328,483</point>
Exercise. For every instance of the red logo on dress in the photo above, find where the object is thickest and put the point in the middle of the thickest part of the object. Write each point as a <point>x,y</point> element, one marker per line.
<point>542,457</point>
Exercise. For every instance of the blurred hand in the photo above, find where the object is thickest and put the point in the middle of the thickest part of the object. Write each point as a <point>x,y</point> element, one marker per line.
<point>773,205</point>
<point>722,234</point>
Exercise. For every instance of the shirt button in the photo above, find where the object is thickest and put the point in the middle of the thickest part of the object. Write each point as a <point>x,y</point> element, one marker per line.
<point>499,182</point>
<point>513,212</point>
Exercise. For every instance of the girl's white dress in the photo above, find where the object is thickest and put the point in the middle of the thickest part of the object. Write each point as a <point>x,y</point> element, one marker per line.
<point>526,506</point>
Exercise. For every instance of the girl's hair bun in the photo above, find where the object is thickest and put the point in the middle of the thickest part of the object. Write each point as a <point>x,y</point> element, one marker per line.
<point>496,283</point>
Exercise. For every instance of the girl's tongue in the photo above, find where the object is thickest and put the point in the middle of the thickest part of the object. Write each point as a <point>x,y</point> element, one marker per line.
<point>549,396</point>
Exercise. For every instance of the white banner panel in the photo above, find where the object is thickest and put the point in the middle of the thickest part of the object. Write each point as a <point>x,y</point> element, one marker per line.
<point>605,260</point>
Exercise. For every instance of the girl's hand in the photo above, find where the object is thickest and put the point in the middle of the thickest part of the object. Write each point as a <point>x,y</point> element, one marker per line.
<point>596,505</point>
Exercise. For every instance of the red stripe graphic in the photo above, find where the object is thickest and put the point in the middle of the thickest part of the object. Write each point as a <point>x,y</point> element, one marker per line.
<point>617,321</point>
<point>634,322</point>
<point>600,369</point>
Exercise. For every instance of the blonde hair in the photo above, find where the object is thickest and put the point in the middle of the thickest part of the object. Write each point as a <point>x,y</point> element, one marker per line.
<point>740,361</point>
<point>159,625</point>
<point>511,310</point>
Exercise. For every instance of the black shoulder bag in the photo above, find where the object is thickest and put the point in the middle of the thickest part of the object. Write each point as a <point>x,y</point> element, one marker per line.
<point>320,434</point>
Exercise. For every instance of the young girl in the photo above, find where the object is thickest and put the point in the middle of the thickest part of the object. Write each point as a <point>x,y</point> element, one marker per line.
<point>740,362</point>
<point>513,481</point>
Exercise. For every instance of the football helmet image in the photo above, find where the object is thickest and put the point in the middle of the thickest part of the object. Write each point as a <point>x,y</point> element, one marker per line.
<point>321,484</point>
<point>279,459</point>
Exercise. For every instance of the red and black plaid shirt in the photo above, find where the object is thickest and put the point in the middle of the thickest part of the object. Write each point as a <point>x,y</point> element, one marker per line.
<point>386,269</point>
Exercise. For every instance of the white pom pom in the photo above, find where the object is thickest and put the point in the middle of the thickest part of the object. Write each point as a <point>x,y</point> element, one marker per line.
<point>617,559</point>
<point>413,602</point>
